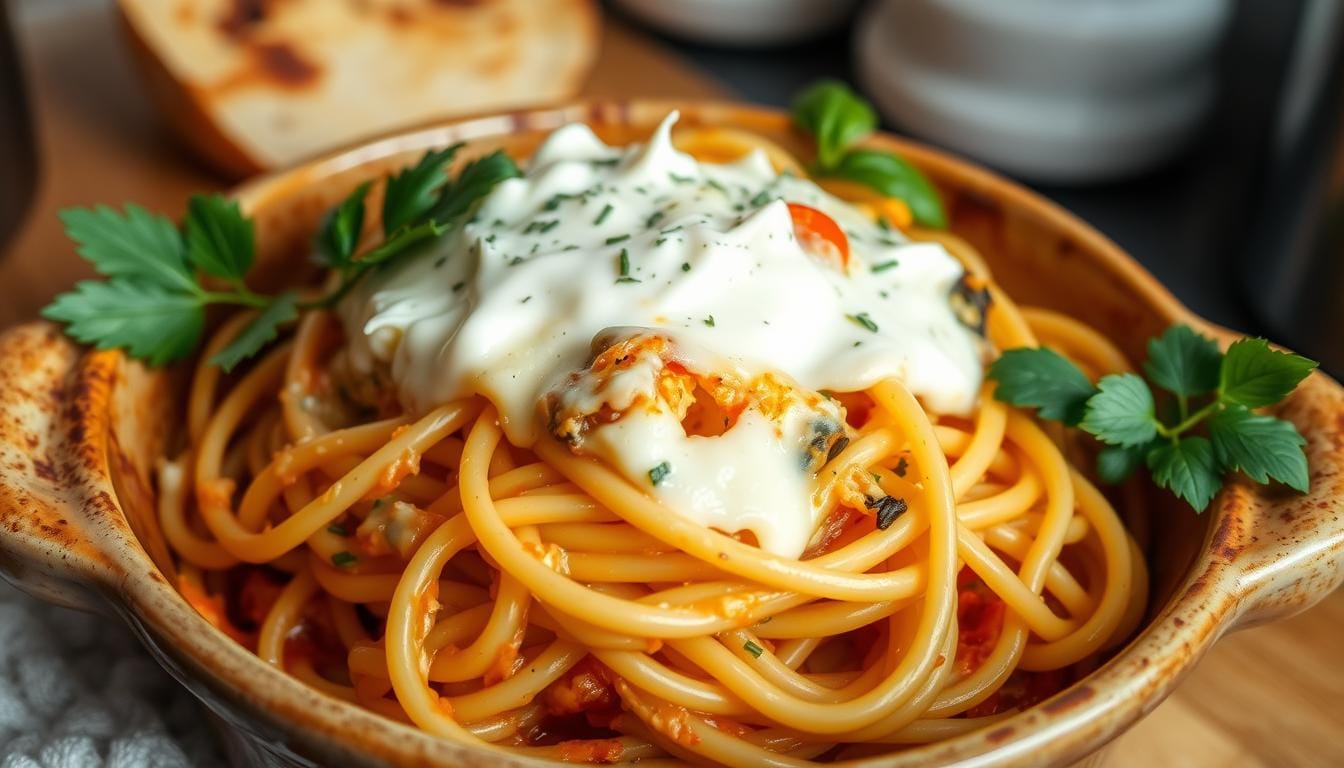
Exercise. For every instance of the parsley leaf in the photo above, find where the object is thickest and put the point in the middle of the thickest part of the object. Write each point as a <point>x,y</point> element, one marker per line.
<point>473,183</point>
<point>1183,362</point>
<point>219,238</point>
<point>1117,462</point>
<point>1188,469</point>
<point>339,232</point>
<point>410,193</point>
<point>1261,446</point>
<point>893,176</point>
<point>1254,375</point>
<point>136,244</point>
<point>1041,378</point>
<point>261,331</point>
<point>1122,412</point>
<point>401,241</point>
<point>152,322</point>
<point>836,116</point>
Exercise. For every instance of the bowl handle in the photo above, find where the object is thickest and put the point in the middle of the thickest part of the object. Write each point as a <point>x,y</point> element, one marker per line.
<point>55,503</point>
<point>1287,549</point>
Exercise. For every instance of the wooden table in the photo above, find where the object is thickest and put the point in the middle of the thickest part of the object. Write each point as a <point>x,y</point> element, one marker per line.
<point>1271,696</point>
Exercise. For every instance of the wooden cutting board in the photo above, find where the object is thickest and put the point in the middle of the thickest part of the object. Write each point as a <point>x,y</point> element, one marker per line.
<point>1271,696</point>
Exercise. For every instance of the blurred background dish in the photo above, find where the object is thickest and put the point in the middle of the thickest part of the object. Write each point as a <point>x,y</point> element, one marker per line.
<point>741,22</point>
<point>254,85</point>
<point>1045,89</point>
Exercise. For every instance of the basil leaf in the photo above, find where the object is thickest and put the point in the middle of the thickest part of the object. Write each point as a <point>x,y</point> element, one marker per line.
<point>892,176</point>
<point>836,116</point>
<point>1115,463</point>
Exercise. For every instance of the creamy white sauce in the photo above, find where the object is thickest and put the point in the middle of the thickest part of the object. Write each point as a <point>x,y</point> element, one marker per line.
<point>508,308</point>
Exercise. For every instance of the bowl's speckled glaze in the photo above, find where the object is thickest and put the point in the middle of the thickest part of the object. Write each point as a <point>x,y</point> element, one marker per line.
<point>80,431</point>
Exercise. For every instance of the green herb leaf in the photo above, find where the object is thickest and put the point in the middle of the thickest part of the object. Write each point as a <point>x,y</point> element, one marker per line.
<point>864,321</point>
<point>473,183</point>
<point>336,529</point>
<point>1254,375</point>
<point>261,331</point>
<point>339,232</point>
<point>1188,469</point>
<point>660,473</point>
<point>1261,446</point>
<point>1122,412</point>
<point>219,237</point>
<point>1115,463</point>
<point>894,177</point>
<point>150,321</point>
<point>1041,378</point>
<point>1183,362</point>
<point>402,241</point>
<point>342,559</point>
<point>136,244</point>
<point>410,193</point>
<point>836,116</point>
<point>752,648</point>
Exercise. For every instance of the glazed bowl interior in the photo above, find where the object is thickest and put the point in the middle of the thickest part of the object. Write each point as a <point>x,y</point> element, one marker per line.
<point>1040,255</point>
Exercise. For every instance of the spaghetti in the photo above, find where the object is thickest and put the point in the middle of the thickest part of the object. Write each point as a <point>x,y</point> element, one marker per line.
<point>421,564</point>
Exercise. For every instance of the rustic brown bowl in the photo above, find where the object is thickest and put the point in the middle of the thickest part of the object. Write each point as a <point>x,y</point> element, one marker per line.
<point>80,431</point>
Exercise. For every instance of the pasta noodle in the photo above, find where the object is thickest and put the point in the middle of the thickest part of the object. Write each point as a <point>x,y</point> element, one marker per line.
<point>537,600</point>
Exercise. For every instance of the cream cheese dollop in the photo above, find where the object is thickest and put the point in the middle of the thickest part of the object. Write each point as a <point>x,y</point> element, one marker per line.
<point>594,238</point>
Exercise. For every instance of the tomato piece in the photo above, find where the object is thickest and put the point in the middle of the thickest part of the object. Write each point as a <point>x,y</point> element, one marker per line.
<point>820,235</point>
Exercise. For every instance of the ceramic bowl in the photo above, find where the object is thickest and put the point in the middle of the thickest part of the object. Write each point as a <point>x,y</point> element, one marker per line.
<point>741,23</point>
<point>80,431</point>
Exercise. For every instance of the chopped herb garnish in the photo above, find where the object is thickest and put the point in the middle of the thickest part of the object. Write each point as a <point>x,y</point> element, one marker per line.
<point>888,508</point>
<point>491,238</point>
<point>754,649</point>
<point>439,262</point>
<point>760,199</point>
<point>716,185</point>
<point>653,219</point>
<point>458,286</point>
<point>709,321</point>
<point>342,559</point>
<point>623,265</point>
<point>685,266</point>
<point>525,299</point>
<point>614,239</point>
<point>659,473</point>
<point>885,265</point>
<point>901,467</point>
<point>556,199</point>
<point>601,217</point>
<point>670,230</point>
<point>864,320</point>
<point>659,241</point>
<point>337,529</point>
<point>541,225</point>
<point>680,179</point>
<point>516,260</point>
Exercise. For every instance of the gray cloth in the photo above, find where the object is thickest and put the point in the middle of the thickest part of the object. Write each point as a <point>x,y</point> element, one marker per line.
<point>78,691</point>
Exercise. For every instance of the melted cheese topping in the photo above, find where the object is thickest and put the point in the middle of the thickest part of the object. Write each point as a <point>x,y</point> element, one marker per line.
<point>597,246</point>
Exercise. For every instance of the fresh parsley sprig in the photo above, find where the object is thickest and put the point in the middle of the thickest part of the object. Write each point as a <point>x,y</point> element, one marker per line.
<point>153,302</point>
<point>1208,390</point>
<point>839,118</point>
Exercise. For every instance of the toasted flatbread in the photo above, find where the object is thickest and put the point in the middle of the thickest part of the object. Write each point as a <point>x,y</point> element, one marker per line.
<point>259,84</point>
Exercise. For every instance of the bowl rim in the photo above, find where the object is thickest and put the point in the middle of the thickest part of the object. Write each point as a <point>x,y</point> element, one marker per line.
<point>1235,577</point>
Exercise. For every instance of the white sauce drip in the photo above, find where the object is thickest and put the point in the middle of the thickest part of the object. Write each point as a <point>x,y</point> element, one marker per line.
<point>508,306</point>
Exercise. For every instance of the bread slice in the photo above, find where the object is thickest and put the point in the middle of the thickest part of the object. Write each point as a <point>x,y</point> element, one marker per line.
<point>259,84</point>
